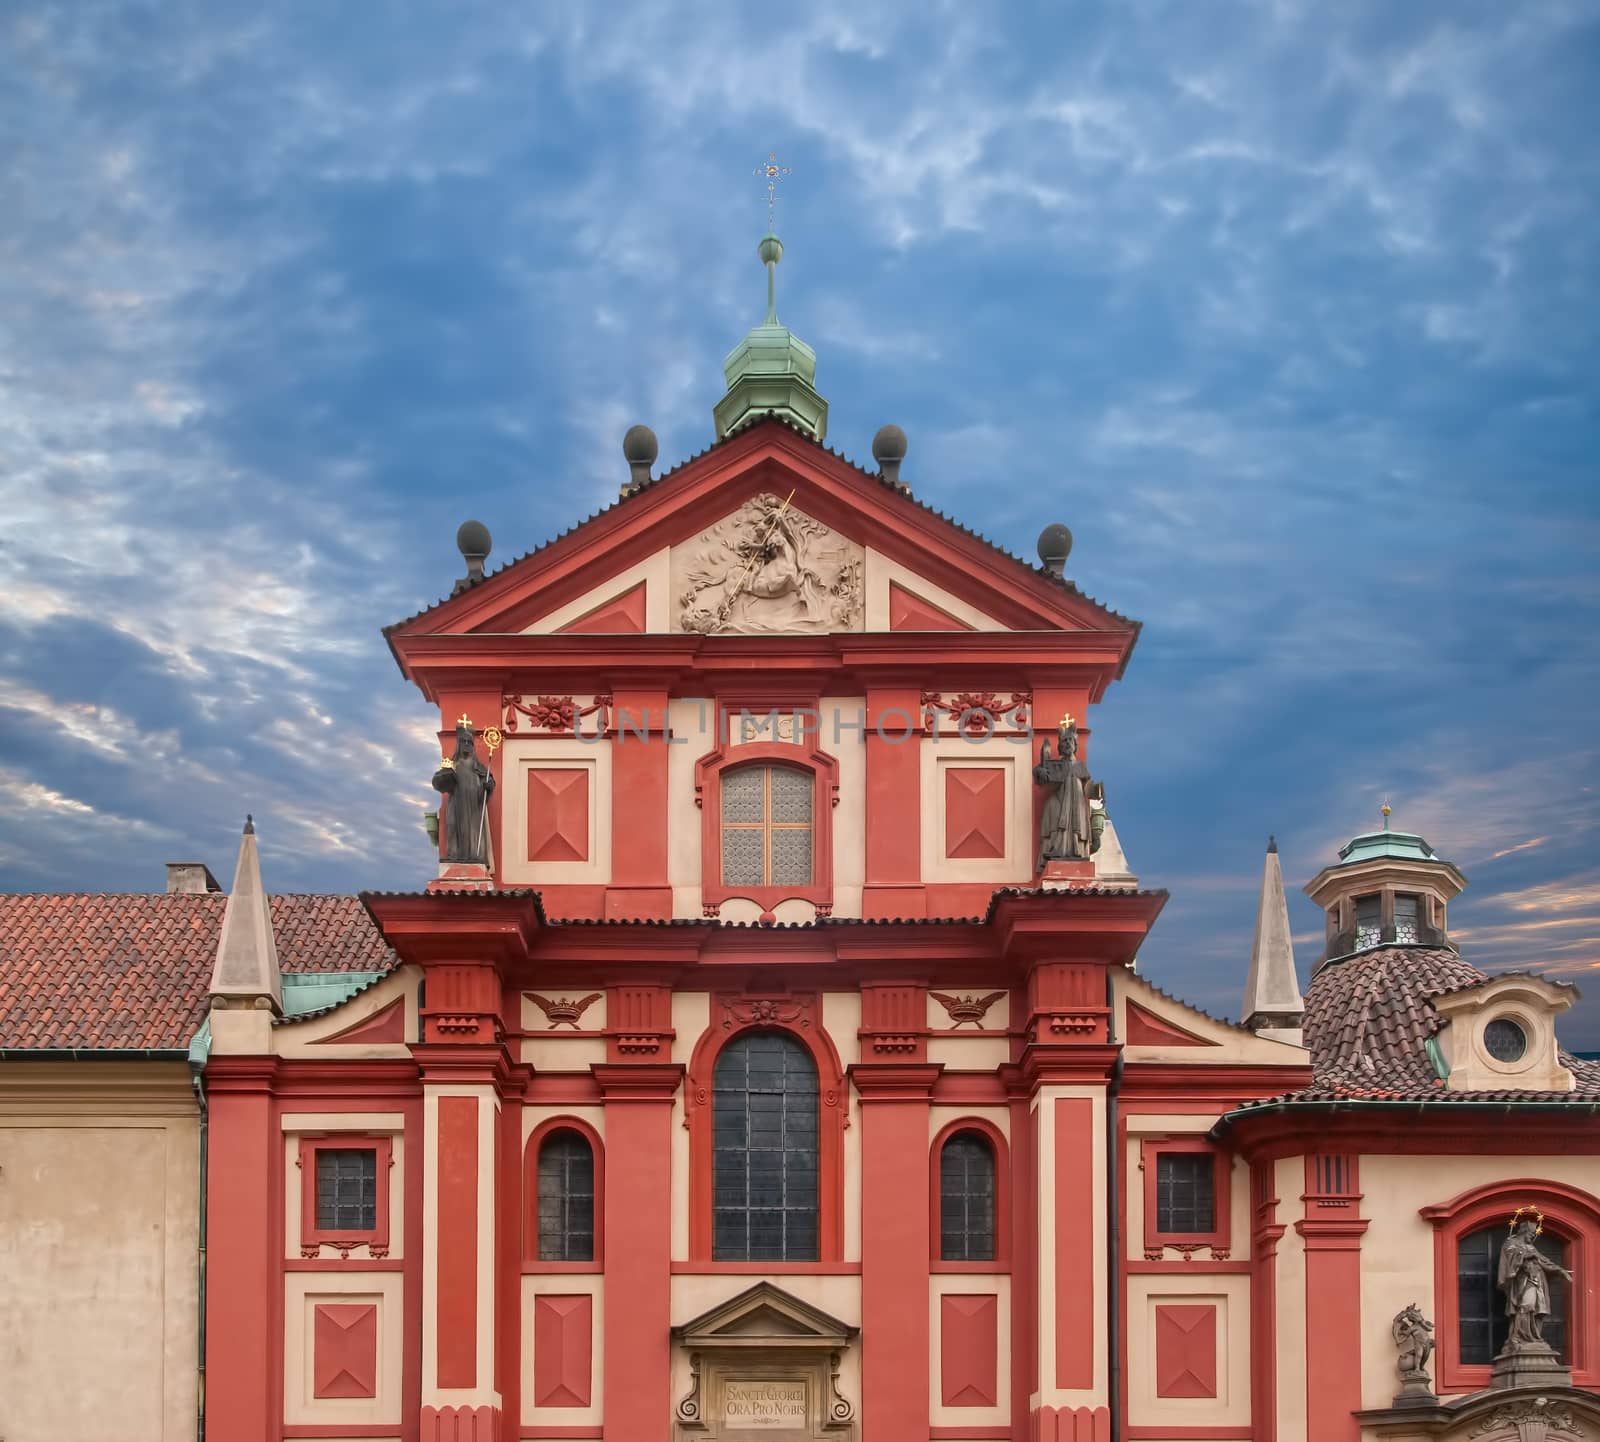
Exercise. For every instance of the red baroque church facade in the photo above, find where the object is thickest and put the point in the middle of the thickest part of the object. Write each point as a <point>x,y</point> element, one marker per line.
<point>763,1083</point>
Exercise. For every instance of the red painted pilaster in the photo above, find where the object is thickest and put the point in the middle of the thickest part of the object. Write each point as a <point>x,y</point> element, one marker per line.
<point>894,804</point>
<point>1265,1234</point>
<point>894,1250</point>
<point>639,885</point>
<point>1332,1231</point>
<point>638,1232</point>
<point>243,1349</point>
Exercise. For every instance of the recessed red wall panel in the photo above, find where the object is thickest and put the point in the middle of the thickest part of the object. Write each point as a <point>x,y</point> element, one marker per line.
<point>457,1251</point>
<point>558,813</point>
<point>624,613</point>
<point>909,612</point>
<point>1076,1319</point>
<point>1186,1350</point>
<point>975,812</point>
<point>563,1347</point>
<point>345,1350</point>
<point>969,1349</point>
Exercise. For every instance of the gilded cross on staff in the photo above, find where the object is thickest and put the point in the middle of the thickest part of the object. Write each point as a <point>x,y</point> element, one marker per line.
<point>772,173</point>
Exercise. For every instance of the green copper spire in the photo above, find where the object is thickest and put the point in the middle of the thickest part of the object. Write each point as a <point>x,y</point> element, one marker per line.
<point>772,369</point>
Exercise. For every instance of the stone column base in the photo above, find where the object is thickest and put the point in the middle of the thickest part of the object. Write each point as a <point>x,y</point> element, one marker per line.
<point>1530,1364</point>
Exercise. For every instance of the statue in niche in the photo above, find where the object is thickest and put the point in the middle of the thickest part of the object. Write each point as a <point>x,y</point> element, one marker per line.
<point>468,784</point>
<point>1067,831</point>
<point>769,568</point>
<point>1524,1277</point>
<point>1413,1336</point>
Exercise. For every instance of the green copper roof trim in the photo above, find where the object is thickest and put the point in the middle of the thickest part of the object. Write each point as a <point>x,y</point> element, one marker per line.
<point>1400,845</point>
<point>304,992</point>
<point>771,371</point>
<point>1441,1068</point>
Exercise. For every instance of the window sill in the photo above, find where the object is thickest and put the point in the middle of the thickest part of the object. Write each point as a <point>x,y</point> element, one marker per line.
<point>1000,1266</point>
<point>534,1269</point>
<point>756,1269</point>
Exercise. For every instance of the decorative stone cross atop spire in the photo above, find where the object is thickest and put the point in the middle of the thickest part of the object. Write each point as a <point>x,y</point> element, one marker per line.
<point>772,173</point>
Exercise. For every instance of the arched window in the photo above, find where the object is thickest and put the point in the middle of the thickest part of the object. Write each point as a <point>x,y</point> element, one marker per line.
<point>1469,1232</point>
<point>767,815</point>
<point>566,1198</point>
<point>966,1199</point>
<point>764,1151</point>
<point>1481,1305</point>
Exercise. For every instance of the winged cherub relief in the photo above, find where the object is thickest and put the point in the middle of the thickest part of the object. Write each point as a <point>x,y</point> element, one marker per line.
<point>768,568</point>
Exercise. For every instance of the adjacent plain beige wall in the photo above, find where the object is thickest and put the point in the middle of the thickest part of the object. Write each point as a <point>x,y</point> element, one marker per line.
<point>99,1219</point>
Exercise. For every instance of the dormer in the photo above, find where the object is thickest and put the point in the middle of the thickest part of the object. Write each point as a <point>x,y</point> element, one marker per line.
<point>1388,888</point>
<point>1500,1035</point>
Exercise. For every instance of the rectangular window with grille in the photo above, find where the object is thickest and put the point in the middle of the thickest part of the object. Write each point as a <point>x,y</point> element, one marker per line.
<point>1185,1192</point>
<point>347,1189</point>
<point>1368,921</point>
<point>1407,920</point>
<point>767,814</point>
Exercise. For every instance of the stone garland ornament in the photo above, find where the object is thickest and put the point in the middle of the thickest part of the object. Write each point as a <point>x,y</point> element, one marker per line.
<point>769,569</point>
<point>467,785</point>
<point>978,715</point>
<point>1535,1418</point>
<point>560,715</point>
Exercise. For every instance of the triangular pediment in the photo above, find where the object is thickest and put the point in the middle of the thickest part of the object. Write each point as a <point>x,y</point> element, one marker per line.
<point>1157,1027</point>
<point>767,533</point>
<point>765,1315</point>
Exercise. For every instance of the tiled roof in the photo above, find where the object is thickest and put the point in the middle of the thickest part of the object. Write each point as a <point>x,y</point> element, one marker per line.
<point>768,418</point>
<point>1368,1021</point>
<point>130,971</point>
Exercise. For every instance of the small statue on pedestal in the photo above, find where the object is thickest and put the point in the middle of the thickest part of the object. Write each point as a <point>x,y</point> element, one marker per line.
<point>1524,1276</point>
<point>468,784</point>
<point>1067,831</point>
<point>1413,1336</point>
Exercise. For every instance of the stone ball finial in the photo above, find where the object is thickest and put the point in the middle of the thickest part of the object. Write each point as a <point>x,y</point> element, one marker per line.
<point>1055,545</point>
<point>472,540</point>
<point>640,449</point>
<point>889,449</point>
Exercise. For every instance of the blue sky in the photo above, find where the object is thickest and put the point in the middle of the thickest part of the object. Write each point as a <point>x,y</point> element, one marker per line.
<point>1287,309</point>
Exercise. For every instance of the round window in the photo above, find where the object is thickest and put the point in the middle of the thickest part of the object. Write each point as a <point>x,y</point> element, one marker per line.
<point>1504,1040</point>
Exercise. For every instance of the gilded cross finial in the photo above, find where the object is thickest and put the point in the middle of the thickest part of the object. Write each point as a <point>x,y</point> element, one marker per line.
<point>463,719</point>
<point>772,173</point>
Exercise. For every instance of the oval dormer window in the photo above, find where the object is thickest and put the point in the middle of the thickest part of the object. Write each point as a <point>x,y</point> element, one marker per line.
<point>1504,1040</point>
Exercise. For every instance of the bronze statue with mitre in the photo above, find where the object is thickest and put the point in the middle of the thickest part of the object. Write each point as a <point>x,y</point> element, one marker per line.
<point>467,784</point>
<point>1067,831</point>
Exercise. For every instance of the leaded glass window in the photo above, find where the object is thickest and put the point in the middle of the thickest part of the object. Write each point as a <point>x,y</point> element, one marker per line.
<point>764,1151</point>
<point>566,1198</point>
<point>1368,922</point>
<point>1407,922</point>
<point>1481,1305</point>
<point>966,1199</point>
<point>767,826</point>
<point>1185,1192</point>
<point>347,1189</point>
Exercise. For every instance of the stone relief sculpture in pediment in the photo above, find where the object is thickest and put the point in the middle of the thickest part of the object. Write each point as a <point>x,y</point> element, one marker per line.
<point>768,569</point>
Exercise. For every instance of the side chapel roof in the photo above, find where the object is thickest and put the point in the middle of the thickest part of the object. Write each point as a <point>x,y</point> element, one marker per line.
<point>130,971</point>
<point>1369,1018</point>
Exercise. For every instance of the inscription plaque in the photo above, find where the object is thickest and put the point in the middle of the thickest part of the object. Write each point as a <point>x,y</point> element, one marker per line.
<point>775,1405</point>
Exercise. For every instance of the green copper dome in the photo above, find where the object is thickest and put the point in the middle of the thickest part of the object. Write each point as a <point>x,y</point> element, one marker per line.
<point>772,369</point>
<point>1400,845</point>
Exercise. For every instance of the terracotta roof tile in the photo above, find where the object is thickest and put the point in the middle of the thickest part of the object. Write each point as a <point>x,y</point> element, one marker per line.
<point>130,971</point>
<point>1368,1020</point>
